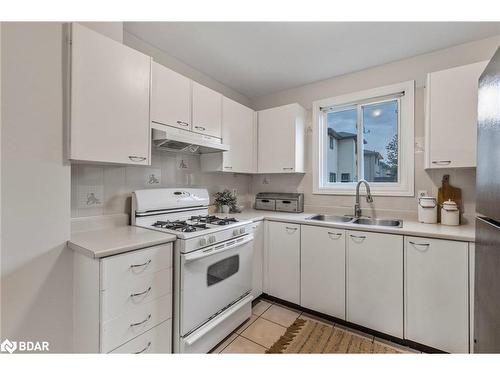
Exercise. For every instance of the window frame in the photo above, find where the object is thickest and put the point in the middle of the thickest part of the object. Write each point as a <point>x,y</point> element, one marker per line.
<point>406,168</point>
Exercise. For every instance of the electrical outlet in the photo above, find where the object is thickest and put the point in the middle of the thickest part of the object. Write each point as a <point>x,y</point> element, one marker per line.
<point>235,192</point>
<point>266,180</point>
<point>421,193</point>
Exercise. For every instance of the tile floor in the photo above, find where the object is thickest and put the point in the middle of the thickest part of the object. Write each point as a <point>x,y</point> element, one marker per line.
<point>267,324</point>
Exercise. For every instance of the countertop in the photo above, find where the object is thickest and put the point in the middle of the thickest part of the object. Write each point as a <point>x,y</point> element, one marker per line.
<point>410,227</point>
<point>111,241</point>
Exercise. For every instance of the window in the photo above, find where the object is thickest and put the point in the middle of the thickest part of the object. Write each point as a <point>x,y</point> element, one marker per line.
<point>372,132</point>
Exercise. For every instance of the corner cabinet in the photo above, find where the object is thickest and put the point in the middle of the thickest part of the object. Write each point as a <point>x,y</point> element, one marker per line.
<point>239,131</point>
<point>322,273</point>
<point>170,98</point>
<point>451,117</point>
<point>109,104</point>
<point>437,293</point>
<point>281,136</point>
<point>375,281</point>
<point>282,261</point>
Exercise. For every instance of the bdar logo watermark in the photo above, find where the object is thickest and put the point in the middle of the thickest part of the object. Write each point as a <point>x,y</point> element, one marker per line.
<point>8,346</point>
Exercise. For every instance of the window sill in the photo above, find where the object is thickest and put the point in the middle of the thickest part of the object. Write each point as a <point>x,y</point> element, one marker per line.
<point>376,192</point>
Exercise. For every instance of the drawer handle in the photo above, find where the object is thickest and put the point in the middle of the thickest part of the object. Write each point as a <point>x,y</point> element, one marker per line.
<point>426,245</point>
<point>140,323</point>
<point>143,350</point>
<point>290,228</point>
<point>137,158</point>
<point>200,128</point>
<point>142,293</point>
<point>287,169</point>
<point>141,265</point>
<point>441,162</point>
<point>264,200</point>
<point>337,235</point>
<point>359,237</point>
<point>286,202</point>
<point>228,167</point>
<point>183,123</point>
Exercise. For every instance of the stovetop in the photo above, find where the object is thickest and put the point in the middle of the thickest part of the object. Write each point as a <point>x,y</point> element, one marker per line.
<point>194,223</point>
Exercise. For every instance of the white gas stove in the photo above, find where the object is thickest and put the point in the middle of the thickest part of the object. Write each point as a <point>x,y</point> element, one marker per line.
<point>213,259</point>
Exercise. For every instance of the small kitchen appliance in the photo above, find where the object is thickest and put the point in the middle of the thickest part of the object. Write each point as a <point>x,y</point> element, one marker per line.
<point>287,202</point>
<point>212,264</point>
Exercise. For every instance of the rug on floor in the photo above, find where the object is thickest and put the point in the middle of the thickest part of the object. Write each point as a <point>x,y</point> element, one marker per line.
<point>307,336</point>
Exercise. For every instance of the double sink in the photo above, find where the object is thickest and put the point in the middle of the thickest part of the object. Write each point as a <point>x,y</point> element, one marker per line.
<point>395,223</point>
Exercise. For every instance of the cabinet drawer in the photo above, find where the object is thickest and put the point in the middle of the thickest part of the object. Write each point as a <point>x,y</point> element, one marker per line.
<point>265,204</point>
<point>156,340</point>
<point>123,269</point>
<point>121,297</point>
<point>131,324</point>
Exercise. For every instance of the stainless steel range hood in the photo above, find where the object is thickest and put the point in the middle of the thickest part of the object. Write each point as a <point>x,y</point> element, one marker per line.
<point>173,139</point>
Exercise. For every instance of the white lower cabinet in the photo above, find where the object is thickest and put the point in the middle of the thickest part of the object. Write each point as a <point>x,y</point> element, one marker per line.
<point>375,281</point>
<point>322,286</point>
<point>283,261</point>
<point>437,293</point>
<point>258,258</point>
<point>123,303</point>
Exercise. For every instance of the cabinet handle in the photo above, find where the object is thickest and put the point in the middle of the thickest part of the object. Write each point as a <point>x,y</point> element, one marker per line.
<point>137,158</point>
<point>290,228</point>
<point>337,235</point>
<point>140,323</point>
<point>360,237</point>
<point>183,123</point>
<point>441,162</point>
<point>200,128</point>
<point>141,265</point>
<point>426,245</point>
<point>140,294</point>
<point>287,169</point>
<point>143,350</point>
<point>228,167</point>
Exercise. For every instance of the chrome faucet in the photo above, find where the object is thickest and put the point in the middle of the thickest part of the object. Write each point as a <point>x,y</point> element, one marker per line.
<point>369,199</point>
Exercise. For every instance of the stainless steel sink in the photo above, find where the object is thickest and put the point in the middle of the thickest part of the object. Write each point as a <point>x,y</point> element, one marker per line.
<point>332,218</point>
<point>380,222</point>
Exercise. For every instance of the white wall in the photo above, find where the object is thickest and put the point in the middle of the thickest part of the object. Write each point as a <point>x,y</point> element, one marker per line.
<point>114,30</point>
<point>36,270</point>
<point>182,68</point>
<point>414,68</point>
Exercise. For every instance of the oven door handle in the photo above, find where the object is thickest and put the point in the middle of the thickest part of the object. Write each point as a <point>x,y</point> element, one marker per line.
<point>217,249</point>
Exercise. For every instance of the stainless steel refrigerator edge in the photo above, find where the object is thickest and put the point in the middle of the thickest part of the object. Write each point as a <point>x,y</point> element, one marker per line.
<point>487,254</point>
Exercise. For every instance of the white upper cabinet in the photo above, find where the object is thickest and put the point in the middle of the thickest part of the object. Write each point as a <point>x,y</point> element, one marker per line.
<point>281,139</point>
<point>437,293</point>
<point>322,272</point>
<point>451,116</point>
<point>110,86</point>
<point>375,281</point>
<point>239,132</point>
<point>170,98</point>
<point>207,110</point>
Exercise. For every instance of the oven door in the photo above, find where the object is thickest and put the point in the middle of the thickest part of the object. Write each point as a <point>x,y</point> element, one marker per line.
<point>213,278</point>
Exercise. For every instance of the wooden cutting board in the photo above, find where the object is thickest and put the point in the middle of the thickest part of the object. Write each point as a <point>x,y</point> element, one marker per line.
<point>446,192</point>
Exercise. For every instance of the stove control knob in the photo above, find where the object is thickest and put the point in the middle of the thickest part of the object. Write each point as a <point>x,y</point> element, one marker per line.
<point>203,241</point>
<point>242,230</point>
<point>236,232</point>
<point>211,239</point>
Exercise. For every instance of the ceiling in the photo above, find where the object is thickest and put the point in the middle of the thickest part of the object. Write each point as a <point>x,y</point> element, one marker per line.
<point>259,58</point>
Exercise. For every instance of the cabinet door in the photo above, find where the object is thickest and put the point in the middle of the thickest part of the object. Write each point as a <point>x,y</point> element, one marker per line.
<point>258,258</point>
<point>283,261</point>
<point>322,272</point>
<point>436,293</point>
<point>452,116</point>
<point>110,85</point>
<point>237,131</point>
<point>276,140</point>
<point>170,98</point>
<point>207,110</point>
<point>375,281</point>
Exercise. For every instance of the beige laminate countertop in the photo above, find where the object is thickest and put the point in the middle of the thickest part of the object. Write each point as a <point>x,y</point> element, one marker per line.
<point>410,227</point>
<point>111,241</point>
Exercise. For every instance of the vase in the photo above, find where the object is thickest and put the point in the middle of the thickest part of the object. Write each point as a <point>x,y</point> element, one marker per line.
<point>224,209</point>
